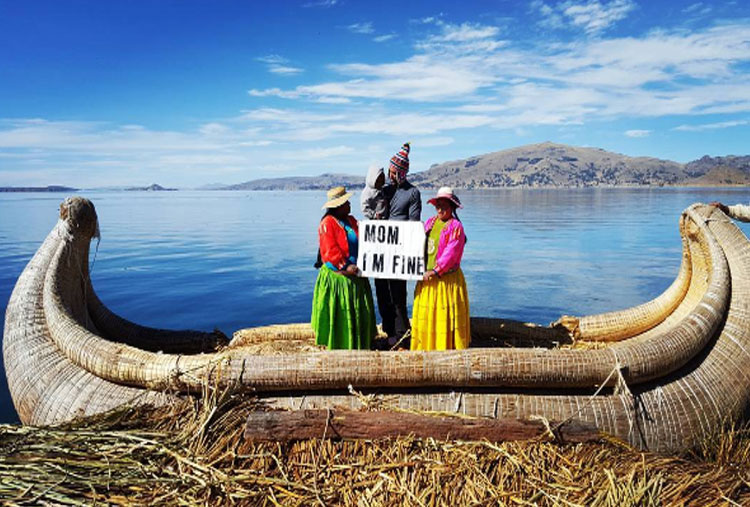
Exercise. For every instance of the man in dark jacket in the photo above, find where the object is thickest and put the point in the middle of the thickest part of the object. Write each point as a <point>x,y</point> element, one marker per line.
<point>405,203</point>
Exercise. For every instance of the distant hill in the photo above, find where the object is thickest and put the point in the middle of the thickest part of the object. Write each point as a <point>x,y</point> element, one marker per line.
<point>50,188</point>
<point>706,163</point>
<point>720,176</point>
<point>558,165</point>
<point>713,171</point>
<point>322,182</point>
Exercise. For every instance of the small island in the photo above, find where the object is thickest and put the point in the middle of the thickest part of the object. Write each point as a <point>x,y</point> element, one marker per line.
<point>154,187</point>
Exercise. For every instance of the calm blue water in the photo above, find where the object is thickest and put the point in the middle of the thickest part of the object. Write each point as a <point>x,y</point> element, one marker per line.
<point>230,260</point>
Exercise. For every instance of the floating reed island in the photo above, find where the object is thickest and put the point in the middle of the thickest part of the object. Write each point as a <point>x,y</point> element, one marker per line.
<point>195,453</point>
<point>662,376</point>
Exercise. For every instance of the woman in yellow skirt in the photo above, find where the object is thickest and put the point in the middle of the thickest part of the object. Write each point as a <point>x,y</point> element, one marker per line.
<point>441,303</point>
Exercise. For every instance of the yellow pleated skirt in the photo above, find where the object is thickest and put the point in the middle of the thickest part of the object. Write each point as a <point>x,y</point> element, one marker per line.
<point>440,320</point>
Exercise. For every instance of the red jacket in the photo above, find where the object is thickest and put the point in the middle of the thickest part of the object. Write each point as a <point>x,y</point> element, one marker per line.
<point>334,247</point>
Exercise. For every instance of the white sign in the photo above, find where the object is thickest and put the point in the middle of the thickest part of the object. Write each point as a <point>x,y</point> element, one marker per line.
<point>391,249</point>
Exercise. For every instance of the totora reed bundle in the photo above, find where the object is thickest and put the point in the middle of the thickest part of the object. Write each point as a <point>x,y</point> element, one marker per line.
<point>661,375</point>
<point>194,453</point>
<point>665,376</point>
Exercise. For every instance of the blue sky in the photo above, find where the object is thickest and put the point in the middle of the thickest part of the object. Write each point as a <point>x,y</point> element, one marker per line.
<point>185,93</point>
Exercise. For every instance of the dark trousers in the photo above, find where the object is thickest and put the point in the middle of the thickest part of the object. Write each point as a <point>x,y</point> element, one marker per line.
<point>392,305</point>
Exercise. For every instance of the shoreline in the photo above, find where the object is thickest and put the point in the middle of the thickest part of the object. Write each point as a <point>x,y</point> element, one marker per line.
<point>43,190</point>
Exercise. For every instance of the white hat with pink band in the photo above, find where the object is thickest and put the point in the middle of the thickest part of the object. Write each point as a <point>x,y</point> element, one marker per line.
<point>446,193</point>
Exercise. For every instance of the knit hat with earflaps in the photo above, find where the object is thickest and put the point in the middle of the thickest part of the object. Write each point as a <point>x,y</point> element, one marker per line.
<point>400,162</point>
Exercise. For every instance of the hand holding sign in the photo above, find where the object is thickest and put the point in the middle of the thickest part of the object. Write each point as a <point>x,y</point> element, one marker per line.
<point>351,270</point>
<point>391,249</point>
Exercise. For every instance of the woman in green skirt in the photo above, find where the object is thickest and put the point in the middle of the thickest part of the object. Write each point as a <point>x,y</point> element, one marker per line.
<point>343,316</point>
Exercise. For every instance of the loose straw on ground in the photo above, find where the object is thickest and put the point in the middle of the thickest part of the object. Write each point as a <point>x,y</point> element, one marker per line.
<point>194,453</point>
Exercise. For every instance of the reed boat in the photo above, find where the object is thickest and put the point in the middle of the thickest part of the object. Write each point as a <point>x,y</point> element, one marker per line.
<point>662,375</point>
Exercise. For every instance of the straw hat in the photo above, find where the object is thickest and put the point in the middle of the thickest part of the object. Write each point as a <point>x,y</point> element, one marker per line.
<point>446,193</point>
<point>336,197</point>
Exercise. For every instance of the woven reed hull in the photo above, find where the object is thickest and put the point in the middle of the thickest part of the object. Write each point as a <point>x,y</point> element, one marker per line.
<point>672,370</point>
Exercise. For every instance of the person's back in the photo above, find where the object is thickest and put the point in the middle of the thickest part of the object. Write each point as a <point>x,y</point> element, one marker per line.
<point>373,199</point>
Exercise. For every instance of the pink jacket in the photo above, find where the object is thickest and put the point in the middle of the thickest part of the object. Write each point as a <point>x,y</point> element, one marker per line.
<point>450,247</point>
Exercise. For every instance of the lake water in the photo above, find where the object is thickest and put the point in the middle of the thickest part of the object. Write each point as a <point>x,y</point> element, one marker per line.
<point>229,260</point>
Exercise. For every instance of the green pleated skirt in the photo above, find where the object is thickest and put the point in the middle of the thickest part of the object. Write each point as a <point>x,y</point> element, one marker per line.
<point>343,315</point>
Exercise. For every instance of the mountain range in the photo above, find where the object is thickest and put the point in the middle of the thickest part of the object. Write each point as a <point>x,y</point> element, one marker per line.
<point>545,165</point>
<point>535,165</point>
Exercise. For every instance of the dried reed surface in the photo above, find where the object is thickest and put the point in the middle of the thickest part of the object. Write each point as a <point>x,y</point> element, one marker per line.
<point>665,389</point>
<point>193,453</point>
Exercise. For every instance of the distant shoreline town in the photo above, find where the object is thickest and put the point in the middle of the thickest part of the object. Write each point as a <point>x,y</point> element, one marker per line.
<point>543,165</point>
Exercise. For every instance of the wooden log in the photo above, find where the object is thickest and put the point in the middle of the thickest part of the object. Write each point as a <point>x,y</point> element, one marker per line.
<point>287,426</point>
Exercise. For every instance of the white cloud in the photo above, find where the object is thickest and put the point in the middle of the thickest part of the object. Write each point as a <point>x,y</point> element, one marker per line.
<point>319,153</point>
<point>711,126</point>
<point>88,153</point>
<point>417,79</point>
<point>609,70</point>
<point>274,92</point>
<point>637,133</point>
<point>384,38</point>
<point>412,123</point>
<point>213,129</point>
<point>423,77</point>
<point>288,125</point>
<point>409,81</point>
<point>659,57</point>
<point>364,28</point>
<point>428,142</point>
<point>200,160</point>
<point>278,65</point>
<point>261,142</point>
<point>322,3</point>
<point>102,138</point>
<point>464,38</point>
<point>332,100</point>
<point>697,8</point>
<point>284,70</point>
<point>289,116</point>
<point>272,59</point>
<point>484,107</point>
<point>660,73</point>
<point>466,32</point>
<point>593,16</point>
<point>459,78</point>
<point>549,17</point>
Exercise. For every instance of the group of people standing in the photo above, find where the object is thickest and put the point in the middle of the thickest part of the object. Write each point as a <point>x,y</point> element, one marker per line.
<point>343,313</point>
